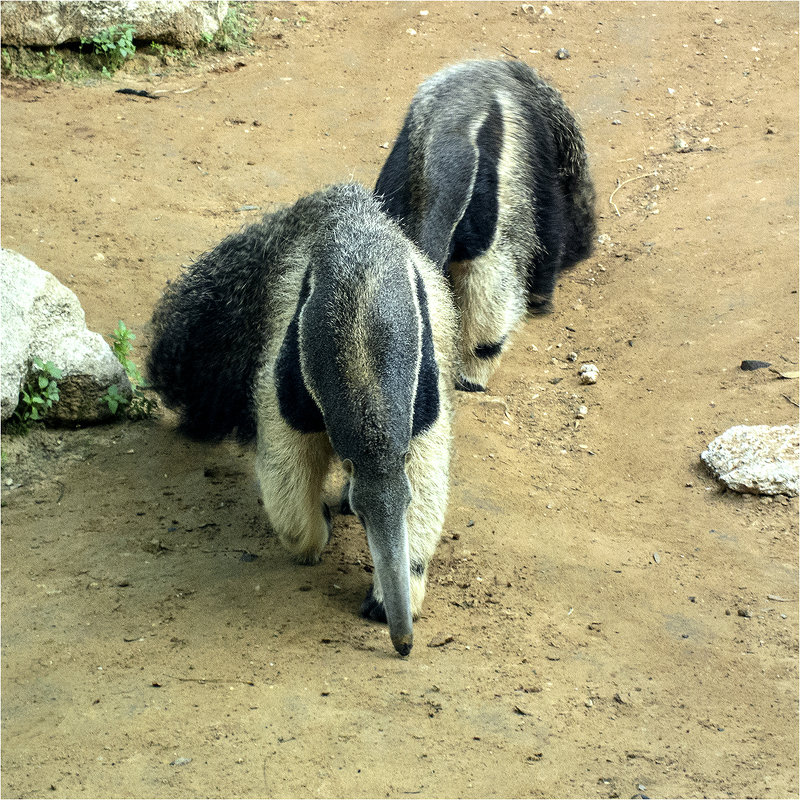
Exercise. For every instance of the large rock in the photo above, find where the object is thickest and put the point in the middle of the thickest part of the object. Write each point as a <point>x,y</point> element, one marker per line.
<point>40,317</point>
<point>47,24</point>
<point>756,459</point>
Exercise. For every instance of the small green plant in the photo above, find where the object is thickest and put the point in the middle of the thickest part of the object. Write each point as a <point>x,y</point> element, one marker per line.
<point>114,400</point>
<point>234,32</point>
<point>139,406</point>
<point>37,396</point>
<point>113,46</point>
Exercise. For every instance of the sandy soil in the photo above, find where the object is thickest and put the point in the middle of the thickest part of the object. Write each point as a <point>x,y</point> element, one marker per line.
<point>605,607</point>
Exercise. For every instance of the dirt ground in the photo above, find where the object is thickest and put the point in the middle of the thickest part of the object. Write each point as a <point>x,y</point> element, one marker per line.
<point>603,619</point>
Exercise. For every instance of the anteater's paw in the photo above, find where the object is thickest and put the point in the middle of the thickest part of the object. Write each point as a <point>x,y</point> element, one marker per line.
<point>372,608</point>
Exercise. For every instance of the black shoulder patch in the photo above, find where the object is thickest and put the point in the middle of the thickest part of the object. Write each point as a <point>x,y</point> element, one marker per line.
<point>295,402</point>
<point>426,403</point>
<point>475,232</point>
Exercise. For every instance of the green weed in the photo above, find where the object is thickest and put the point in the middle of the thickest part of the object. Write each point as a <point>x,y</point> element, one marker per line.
<point>37,396</point>
<point>113,46</point>
<point>139,406</point>
<point>234,32</point>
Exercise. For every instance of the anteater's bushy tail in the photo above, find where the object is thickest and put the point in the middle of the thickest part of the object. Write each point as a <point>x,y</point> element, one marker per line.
<point>573,167</point>
<point>209,333</point>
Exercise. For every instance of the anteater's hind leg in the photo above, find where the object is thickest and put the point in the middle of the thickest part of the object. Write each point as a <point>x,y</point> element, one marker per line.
<point>490,295</point>
<point>291,469</point>
<point>427,470</point>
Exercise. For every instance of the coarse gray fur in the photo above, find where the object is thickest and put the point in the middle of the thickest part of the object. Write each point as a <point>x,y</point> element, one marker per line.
<point>489,176</point>
<point>323,331</point>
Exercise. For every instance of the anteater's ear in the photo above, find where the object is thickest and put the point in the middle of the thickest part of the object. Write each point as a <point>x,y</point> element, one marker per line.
<point>296,404</point>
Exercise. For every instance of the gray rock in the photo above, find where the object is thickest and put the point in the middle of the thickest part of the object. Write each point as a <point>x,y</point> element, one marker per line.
<point>756,459</point>
<point>40,317</point>
<point>37,23</point>
<point>750,365</point>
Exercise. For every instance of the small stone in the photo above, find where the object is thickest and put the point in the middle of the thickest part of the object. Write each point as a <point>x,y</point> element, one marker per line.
<point>562,53</point>
<point>179,762</point>
<point>680,145</point>
<point>616,122</point>
<point>581,412</point>
<point>588,373</point>
<point>750,365</point>
<point>440,640</point>
<point>657,558</point>
<point>744,612</point>
<point>588,703</point>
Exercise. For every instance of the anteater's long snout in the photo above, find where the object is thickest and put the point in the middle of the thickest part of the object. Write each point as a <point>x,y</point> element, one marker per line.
<point>389,548</point>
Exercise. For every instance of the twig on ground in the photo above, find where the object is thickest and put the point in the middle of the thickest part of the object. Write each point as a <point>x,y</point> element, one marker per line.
<point>620,185</point>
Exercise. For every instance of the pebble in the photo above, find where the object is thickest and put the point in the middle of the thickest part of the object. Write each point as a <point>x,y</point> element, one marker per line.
<point>179,762</point>
<point>749,365</point>
<point>744,612</point>
<point>657,558</point>
<point>562,53</point>
<point>588,373</point>
<point>581,412</point>
<point>440,640</point>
